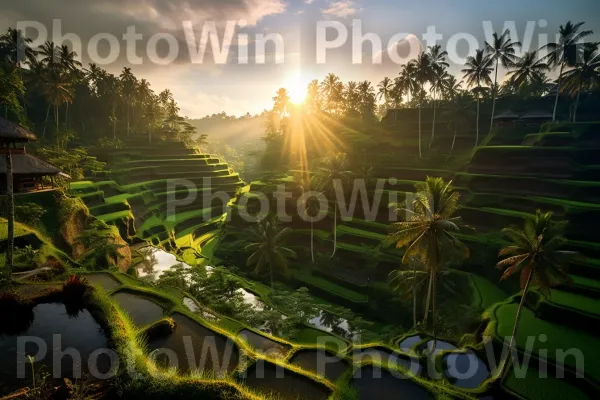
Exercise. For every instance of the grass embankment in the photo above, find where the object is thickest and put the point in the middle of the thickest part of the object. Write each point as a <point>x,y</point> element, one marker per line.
<point>557,337</point>
<point>328,286</point>
<point>532,386</point>
<point>152,379</point>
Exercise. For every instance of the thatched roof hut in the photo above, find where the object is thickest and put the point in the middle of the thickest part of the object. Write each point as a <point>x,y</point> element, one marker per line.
<point>14,133</point>
<point>507,115</point>
<point>25,164</point>
<point>537,115</point>
<point>28,172</point>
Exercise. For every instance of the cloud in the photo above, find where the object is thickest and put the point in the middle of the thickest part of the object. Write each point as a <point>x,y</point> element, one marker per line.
<point>171,12</point>
<point>341,9</point>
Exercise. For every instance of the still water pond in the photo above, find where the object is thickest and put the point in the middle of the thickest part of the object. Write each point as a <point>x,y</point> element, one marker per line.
<point>80,332</point>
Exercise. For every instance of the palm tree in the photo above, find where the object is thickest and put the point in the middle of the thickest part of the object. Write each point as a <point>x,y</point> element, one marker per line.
<point>478,70</point>
<point>422,75</point>
<point>565,52</point>
<point>404,281</point>
<point>128,85</point>
<point>312,206</point>
<point>267,249</point>
<point>68,59</point>
<point>502,52</point>
<point>16,47</point>
<point>526,70</point>
<point>385,87</point>
<point>50,54</point>
<point>584,75</point>
<point>437,58</point>
<point>458,114</point>
<point>331,89</point>
<point>330,176</point>
<point>535,254</point>
<point>313,97</point>
<point>351,98</point>
<point>281,101</point>
<point>428,233</point>
<point>366,100</point>
<point>57,91</point>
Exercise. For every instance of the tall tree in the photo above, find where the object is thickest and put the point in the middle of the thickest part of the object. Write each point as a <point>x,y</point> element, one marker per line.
<point>331,175</point>
<point>458,114</point>
<point>501,52</point>
<point>129,85</point>
<point>267,248</point>
<point>428,234</point>
<point>478,70</point>
<point>384,92</point>
<point>584,75</point>
<point>331,89</point>
<point>281,102</point>
<point>16,50</point>
<point>422,75</point>
<point>535,254</point>
<point>366,100</point>
<point>313,97</point>
<point>439,65</point>
<point>565,52</point>
<point>526,70</point>
<point>57,90</point>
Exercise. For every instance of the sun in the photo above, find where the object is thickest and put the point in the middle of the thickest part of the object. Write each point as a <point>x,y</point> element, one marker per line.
<point>296,89</point>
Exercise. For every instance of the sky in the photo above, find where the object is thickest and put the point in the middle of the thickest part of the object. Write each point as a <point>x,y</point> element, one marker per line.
<point>308,39</point>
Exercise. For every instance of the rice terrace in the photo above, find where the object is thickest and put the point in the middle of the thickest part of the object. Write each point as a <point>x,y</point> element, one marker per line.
<point>329,210</point>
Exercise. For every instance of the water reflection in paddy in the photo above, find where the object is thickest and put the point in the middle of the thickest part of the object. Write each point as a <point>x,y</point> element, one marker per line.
<point>155,262</point>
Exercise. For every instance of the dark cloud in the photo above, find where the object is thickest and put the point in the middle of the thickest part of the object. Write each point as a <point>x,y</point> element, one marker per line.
<point>89,18</point>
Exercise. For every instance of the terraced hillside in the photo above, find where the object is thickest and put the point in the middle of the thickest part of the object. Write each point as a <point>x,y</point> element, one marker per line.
<point>163,194</point>
<point>557,171</point>
<point>514,172</point>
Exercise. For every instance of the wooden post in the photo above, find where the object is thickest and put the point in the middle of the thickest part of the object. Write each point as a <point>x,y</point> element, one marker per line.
<point>11,214</point>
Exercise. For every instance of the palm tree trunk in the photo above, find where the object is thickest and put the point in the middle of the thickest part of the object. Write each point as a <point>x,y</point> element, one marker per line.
<point>577,103</point>
<point>433,127</point>
<point>312,243</point>
<point>557,93</point>
<point>414,290</point>
<point>56,116</point>
<point>517,321</point>
<point>24,95</point>
<point>453,141</point>
<point>434,318</point>
<point>46,121</point>
<point>477,138</point>
<point>334,230</point>
<point>427,301</point>
<point>494,99</point>
<point>420,155</point>
<point>11,214</point>
<point>271,275</point>
<point>67,115</point>
<point>128,119</point>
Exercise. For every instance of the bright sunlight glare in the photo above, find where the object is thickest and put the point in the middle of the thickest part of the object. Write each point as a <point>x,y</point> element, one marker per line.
<point>296,88</point>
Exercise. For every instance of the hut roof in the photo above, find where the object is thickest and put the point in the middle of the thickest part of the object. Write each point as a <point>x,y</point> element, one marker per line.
<point>25,164</point>
<point>537,115</point>
<point>508,114</point>
<point>11,132</point>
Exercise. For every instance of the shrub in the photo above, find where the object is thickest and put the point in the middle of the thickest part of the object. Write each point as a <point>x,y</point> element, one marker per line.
<point>108,143</point>
<point>75,287</point>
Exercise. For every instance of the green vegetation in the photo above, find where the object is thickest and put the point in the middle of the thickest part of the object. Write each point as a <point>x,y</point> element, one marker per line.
<point>535,255</point>
<point>131,157</point>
